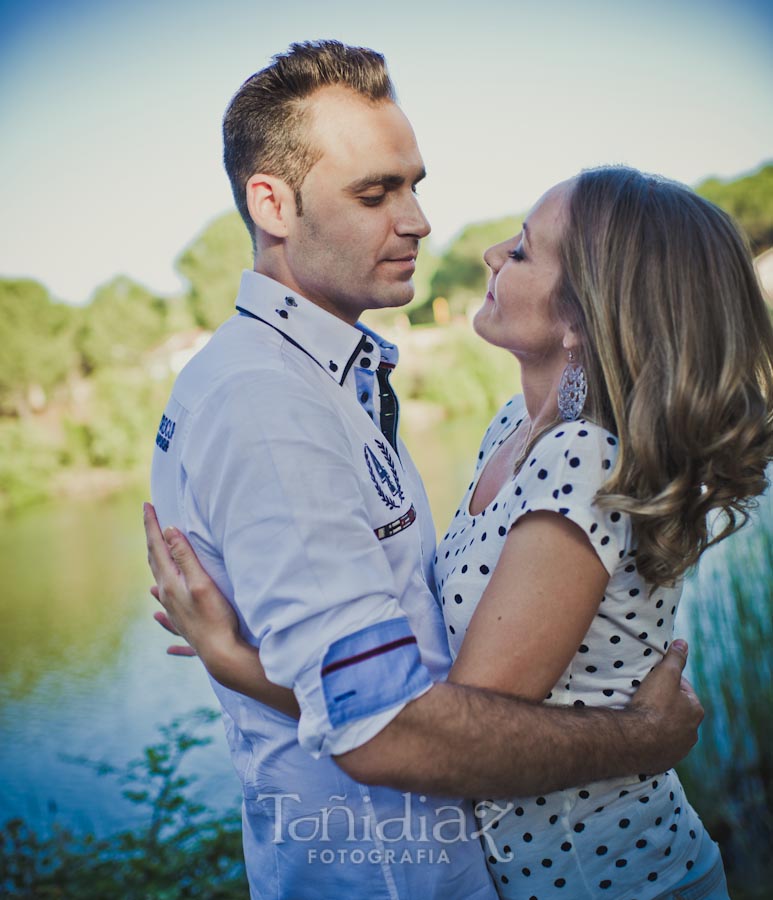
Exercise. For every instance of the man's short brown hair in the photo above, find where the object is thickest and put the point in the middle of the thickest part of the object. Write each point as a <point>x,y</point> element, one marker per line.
<point>265,127</point>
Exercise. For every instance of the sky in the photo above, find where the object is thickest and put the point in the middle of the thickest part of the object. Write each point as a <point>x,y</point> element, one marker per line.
<point>110,158</point>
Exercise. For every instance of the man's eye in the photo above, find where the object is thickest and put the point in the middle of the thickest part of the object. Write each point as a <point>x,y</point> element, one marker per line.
<point>372,201</point>
<point>517,254</point>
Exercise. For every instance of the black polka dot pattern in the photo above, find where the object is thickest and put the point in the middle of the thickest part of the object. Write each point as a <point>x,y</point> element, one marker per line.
<point>617,831</point>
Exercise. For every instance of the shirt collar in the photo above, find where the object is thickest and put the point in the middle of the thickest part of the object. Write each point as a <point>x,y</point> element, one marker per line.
<point>388,351</point>
<point>333,344</point>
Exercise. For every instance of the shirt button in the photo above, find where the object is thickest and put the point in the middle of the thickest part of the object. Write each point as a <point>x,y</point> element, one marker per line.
<point>364,397</point>
<point>365,362</point>
<point>332,366</point>
<point>368,347</point>
<point>291,301</point>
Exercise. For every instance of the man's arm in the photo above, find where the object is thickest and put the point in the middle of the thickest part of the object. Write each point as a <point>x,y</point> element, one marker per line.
<point>454,739</point>
<point>468,741</point>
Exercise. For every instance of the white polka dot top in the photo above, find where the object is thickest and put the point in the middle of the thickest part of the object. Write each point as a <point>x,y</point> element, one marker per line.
<point>624,838</point>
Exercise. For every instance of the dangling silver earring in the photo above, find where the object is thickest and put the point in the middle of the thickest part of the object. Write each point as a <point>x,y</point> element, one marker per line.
<point>572,390</point>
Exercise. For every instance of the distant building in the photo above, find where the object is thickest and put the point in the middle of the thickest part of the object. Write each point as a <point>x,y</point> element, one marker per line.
<point>174,353</point>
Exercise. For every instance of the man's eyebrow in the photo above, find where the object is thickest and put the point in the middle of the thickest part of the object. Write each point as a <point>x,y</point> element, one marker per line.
<point>525,230</point>
<point>387,182</point>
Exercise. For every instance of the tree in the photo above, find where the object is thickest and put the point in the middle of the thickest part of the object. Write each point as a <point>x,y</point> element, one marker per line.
<point>122,321</point>
<point>462,275</point>
<point>36,342</point>
<point>749,200</point>
<point>212,264</point>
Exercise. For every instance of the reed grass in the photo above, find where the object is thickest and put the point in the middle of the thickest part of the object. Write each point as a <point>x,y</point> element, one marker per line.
<point>729,775</point>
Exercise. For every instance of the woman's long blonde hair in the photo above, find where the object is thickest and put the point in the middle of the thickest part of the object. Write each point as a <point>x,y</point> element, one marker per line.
<point>678,349</point>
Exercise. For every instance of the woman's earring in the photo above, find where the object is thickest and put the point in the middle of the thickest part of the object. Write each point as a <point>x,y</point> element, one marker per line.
<point>572,390</point>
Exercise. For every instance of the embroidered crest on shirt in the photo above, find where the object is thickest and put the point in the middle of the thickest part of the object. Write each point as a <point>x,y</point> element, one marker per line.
<point>384,479</point>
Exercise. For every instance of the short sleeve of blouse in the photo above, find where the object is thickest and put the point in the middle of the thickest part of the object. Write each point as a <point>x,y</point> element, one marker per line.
<point>562,474</point>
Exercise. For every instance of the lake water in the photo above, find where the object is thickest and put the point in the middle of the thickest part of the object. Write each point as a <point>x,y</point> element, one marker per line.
<point>83,672</point>
<point>83,669</point>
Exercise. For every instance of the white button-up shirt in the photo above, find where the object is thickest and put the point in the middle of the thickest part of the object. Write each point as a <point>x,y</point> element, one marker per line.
<point>269,457</point>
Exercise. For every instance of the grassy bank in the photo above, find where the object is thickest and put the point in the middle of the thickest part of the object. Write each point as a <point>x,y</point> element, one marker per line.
<point>96,439</point>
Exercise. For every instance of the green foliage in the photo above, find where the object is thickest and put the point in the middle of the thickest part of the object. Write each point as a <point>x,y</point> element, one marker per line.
<point>730,772</point>
<point>212,265</point>
<point>113,429</point>
<point>183,851</point>
<point>123,415</point>
<point>749,200</point>
<point>454,369</point>
<point>426,266</point>
<point>461,274</point>
<point>29,460</point>
<point>427,262</point>
<point>35,342</point>
<point>122,321</point>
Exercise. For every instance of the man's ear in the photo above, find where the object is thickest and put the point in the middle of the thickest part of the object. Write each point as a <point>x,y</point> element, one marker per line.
<point>271,203</point>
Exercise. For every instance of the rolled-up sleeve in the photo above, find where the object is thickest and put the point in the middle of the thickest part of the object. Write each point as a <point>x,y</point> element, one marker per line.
<point>279,496</point>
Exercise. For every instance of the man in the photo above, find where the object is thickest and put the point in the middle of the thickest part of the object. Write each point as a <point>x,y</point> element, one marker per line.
<point>278,455</point>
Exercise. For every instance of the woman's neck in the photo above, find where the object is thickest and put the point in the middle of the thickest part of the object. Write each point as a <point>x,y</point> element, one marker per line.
<point>539,382</point>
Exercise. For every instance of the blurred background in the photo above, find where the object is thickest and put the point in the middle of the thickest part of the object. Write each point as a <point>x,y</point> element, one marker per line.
<point>120,253</point>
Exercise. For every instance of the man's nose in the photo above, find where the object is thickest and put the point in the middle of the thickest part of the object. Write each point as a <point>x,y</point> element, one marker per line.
<point>412,220</point>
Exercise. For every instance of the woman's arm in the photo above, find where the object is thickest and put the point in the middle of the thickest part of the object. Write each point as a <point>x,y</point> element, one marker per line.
<point>538,605</point>
<point>197,611</point>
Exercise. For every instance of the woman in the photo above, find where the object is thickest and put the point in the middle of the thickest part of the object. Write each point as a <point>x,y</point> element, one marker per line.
<point>643,432</point>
